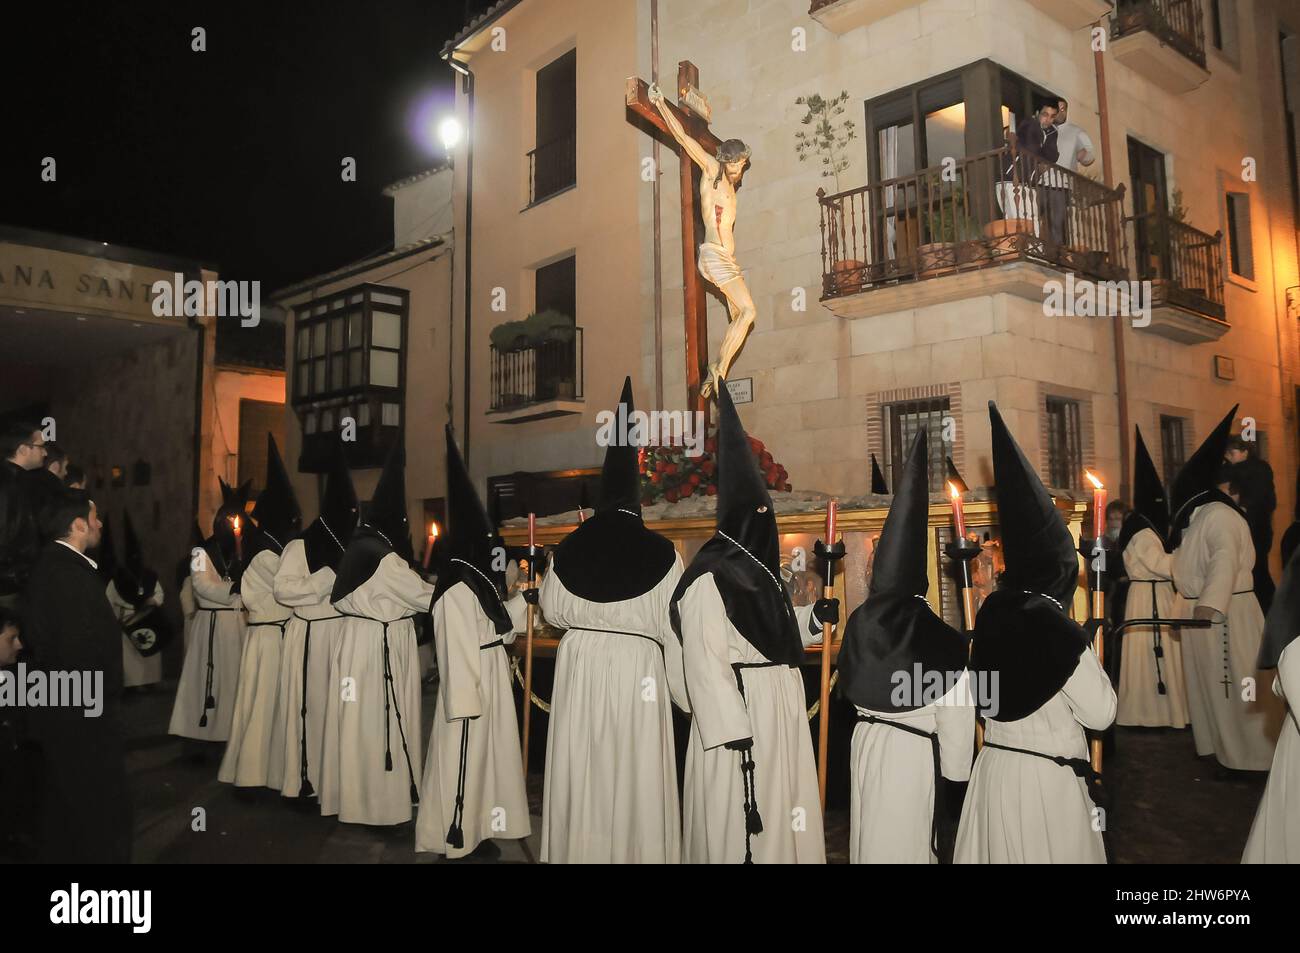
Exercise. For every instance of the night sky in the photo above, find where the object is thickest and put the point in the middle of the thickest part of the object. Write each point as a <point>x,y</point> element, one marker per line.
<point>231,156</point>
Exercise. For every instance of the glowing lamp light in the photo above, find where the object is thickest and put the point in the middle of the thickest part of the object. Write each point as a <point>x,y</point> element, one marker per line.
<point>450,132</point>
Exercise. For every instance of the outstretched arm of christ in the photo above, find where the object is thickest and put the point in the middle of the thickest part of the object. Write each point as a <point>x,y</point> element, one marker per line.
<point>692,148</point>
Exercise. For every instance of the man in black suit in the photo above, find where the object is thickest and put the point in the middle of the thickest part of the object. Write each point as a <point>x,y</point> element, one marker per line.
<point>22,451</point>
<point>70,628</point>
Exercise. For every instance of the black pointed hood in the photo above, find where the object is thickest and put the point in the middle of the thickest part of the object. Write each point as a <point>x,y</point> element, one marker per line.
<point>1023,634</point>
<point>1282,624</point>
<point>134,581</point>
<point>325,540</point>
<point>1291,536</point>
<point>953,477</point>
<point>471,550</point>
<point>612,557</point>
<point>220,546</point>
<point>895,630</point>
<point>386,528</point>
<point>1150,506</point>
<point>1197,482</point>
<point>276,516</point>
<point>744,556</point>
<point>106,553</point>
<point>878,485</point>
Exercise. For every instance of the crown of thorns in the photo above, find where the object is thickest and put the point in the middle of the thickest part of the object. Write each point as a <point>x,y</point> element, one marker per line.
<point>733,150</point>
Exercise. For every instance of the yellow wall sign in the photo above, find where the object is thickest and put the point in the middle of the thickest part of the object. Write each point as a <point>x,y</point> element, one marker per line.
<point>34,277</point>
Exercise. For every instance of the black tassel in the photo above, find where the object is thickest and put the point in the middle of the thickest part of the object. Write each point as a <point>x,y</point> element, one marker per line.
<point>415,795</point>
<point>1161,688</point>
<point>203,722</point>
<point>305,789</point>
<point>753,821</point>
<point>455,837</point>
<point>388,761</point>
<point>1160,652</point>
<point>210,702</point>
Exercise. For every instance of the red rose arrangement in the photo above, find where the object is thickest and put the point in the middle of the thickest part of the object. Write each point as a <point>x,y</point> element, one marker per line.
<point>668,473</point>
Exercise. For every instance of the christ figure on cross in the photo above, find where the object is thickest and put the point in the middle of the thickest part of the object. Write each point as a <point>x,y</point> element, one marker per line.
<point>717,262</point>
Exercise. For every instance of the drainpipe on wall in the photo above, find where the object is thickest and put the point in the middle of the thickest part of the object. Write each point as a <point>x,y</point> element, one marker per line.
<point>1121,369</point>
<point>658,225</point>
<point>468,87</point>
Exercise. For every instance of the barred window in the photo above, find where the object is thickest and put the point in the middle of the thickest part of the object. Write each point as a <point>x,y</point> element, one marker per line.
<point>902,420</point>
<point>1064,444</point>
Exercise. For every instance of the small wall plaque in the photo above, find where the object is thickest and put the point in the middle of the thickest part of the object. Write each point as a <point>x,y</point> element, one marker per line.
<point>1225,368</point>
<point>742,390</point>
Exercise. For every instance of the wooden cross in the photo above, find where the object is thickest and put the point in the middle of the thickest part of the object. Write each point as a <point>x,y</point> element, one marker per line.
<point>643,114</point>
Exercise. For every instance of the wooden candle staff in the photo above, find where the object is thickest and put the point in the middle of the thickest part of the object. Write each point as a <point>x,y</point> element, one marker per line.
<point>1095,556</point>
<point>528,637</point>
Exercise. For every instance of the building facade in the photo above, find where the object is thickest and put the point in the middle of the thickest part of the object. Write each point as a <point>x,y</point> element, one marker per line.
<point>925,275</point>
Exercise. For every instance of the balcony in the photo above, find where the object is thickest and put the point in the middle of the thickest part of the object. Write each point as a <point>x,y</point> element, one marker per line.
<point>998,222</point>
<point>841,16</point>
<point>1162,40</point>
<point>552,168</point>
<point>534,381</point>
<point>1185,268</point>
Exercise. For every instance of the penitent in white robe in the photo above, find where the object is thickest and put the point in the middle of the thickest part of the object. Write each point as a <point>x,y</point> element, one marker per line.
<point>1022,809</point>
<point>371,768</point>
<point>1275,835</point>
<point>1150,595</point>
<point>216,634</point>
<point>475,709</point>
<point>137,669</point>
<point>309,641</point>
<point>251,760</point>
<point>892,804</point>
<point>773,712</point>
<point>1238,722</point>
<point>610,793</point>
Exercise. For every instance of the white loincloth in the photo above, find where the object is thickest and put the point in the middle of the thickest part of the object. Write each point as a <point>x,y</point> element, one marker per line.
<point>717,264</point>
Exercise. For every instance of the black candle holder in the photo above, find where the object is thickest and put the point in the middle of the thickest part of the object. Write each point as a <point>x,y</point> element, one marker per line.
<point>962,551</point>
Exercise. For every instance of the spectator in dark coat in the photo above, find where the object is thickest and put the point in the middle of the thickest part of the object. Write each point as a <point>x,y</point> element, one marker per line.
<point>70,628</point>
<point>22,450</point>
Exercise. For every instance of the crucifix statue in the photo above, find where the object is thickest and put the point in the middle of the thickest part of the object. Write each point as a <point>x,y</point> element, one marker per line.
<point>708,186</point>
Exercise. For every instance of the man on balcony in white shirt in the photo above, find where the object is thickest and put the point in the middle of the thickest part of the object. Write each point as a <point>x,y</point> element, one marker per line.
<point>1073,146</point>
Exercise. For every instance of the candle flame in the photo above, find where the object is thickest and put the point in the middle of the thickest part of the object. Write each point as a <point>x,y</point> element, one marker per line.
<point>433,530</point>
<point>952,490</point>
<point>235,521</point>
<point>1092,478</point>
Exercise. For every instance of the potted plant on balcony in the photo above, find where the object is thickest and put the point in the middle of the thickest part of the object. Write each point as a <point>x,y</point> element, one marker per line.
<point>827,140</point>
<point>953,237</point>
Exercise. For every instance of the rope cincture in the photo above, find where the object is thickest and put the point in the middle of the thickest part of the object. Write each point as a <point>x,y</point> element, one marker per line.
<point>391,705</point>
<point>209,701</point>
<point>456,833</point>
<point>940,795</point>
<point>305,788</point>
<point>753,819</point>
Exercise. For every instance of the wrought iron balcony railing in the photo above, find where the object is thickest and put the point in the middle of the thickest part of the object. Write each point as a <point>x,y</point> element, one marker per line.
<point>1184,263</point>
<point>533,373</point>
<point>983,211</point>
<point>1178,24</point>
<point>552,168</point>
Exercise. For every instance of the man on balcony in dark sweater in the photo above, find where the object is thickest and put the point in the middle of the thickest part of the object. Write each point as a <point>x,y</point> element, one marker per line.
<point>1036,145</point>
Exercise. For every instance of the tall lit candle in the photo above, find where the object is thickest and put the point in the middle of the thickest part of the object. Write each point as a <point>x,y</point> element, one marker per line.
<point>831,510</point>
<point>428,545</point>
<point>958,515</point>
<point>239,538</point>
<point>1098,504</point>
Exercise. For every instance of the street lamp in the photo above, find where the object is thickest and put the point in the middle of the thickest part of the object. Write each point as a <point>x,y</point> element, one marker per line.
<point>449,131</point>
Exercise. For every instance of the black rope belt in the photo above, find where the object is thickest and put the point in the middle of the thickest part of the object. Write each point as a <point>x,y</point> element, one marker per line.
<point>456,832</point>
<point>279,624</point>
<point>619,632</point>
<point>1157,644</point>
<point>305,788</point>
<point>208,700</point>
<point>1081,767</point>
<point>940,796</point>
<point>390,702</point>
<point>753,820</point>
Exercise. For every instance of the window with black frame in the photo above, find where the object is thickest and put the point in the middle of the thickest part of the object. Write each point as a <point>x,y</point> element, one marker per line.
<point>553,162</point>
<point>1064,443</point>
<point>348,370</point>
<point>1173,447</point>
<point>902,421</point>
